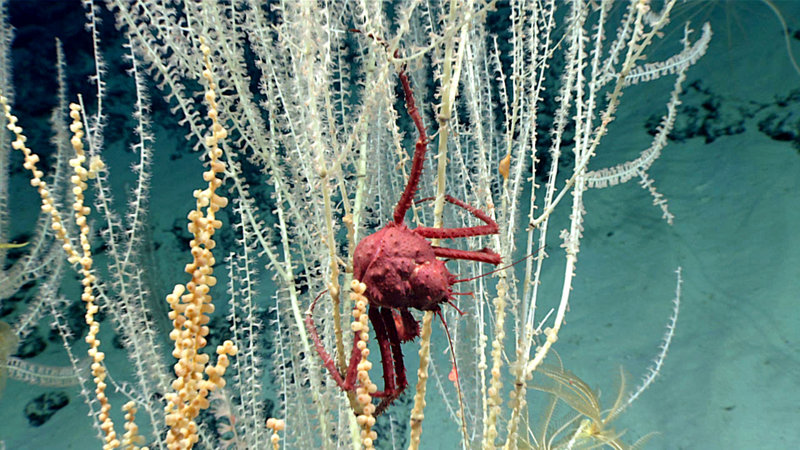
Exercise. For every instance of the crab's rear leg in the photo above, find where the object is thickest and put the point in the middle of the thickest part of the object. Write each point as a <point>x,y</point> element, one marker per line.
<point>346,382</point>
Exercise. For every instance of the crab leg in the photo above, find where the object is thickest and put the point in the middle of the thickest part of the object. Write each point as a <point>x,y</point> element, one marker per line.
<point>384,343</point>
<point>444,233</point>
<point>397,351</point>
<point>348,382</point>
<point>391,357</point>
<point>483,255</point>
<point>419,152</point>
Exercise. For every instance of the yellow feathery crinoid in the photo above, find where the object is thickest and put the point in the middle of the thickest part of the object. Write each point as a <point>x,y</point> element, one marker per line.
<point>590,426</point>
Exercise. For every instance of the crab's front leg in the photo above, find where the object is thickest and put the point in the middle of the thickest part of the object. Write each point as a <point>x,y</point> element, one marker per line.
<point>484,255</point>
<point>420,148</point>
<point>490,226</point>
<point>394,370</point>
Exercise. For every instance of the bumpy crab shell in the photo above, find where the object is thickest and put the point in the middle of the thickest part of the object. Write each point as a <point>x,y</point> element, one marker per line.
<point>401,270</point>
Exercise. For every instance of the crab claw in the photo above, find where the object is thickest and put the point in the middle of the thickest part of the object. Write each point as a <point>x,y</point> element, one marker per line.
<point>407,326</point>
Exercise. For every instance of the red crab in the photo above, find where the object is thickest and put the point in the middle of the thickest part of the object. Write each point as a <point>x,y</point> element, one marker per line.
<point>401,270</point>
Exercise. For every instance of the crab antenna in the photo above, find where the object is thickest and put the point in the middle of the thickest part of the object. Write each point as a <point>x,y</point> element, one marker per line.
<point>458,380</point>
<point>450,302</point>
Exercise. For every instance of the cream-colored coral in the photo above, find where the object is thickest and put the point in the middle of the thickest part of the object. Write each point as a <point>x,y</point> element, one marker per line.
<point>191,303</point>
<point>418,411</point>
<point>276,425</point>
<point>84,257</point>
<point>365,389</point>
<point>131,439</point>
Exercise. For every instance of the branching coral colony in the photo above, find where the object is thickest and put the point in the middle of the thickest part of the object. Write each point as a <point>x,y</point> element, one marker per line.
<point>303,115</point>
<point>189,311</point>
<point>399,269</point>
